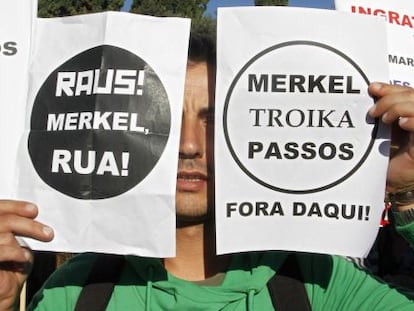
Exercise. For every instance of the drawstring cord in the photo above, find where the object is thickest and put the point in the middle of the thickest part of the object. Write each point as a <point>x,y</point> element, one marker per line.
<point>149,288</point>
<point>250,300</point>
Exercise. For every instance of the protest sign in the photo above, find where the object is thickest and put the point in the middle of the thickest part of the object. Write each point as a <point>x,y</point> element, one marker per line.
<point>16,19</point>
<point>100,150</point>
<point>399,15</point>
<point>299,164</point>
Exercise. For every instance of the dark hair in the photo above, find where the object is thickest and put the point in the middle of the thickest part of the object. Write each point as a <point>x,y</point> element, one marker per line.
<point>202,46</point>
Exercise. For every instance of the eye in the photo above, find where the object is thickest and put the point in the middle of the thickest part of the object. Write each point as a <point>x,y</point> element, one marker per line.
<point>210,118</point>
<point>207,116</point>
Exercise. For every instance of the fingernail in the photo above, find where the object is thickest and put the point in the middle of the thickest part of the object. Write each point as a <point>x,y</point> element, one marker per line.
<point>372,109</point>
<point>30,207</point>
<point>47,230</point>
<point>375,86</point>
<point>402,120</point>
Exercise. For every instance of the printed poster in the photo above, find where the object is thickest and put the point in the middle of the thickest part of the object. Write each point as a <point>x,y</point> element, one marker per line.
<point>100,147</point>
<point>300,165</point>
<point>399,15</point>
<point>16,18</point>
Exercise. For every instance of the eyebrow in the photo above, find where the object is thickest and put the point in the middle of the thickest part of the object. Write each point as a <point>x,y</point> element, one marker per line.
<point>206,111</point>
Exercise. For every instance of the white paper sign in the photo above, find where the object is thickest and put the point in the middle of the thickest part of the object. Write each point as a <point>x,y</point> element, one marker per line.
<point>299,164</point>
<point>100,150</point>
<point>400,17</point>
<point>16,19</point>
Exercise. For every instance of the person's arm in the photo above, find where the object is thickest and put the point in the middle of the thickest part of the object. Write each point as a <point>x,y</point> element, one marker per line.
<point>395,106</point>
<point>17,219</point>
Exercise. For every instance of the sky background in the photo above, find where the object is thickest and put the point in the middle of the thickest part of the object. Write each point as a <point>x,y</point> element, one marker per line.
<point>213,4</point>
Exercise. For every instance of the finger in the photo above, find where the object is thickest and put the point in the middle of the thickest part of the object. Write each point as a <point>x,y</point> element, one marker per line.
<point>406,123</point>
<point>397,110</point>
<point>26,227</point>
<point>399,138</point>
<point>379,89</point>
<point>18,254</point>
<point>8,238</point>
<point>394,104</point>
<point>17,217</point>
<point>22,208</point>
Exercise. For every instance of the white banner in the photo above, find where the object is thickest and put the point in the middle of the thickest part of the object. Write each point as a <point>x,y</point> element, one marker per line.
<point>299,164</point>
<point>399,15</point>
<point>100,149</point>
<point>16,18</point>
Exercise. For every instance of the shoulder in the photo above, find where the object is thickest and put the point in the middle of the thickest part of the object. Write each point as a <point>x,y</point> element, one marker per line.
<point>75,271</point>
<point>65,284</point>
<point>328,265</point>
<point>316,268</point>
<point>407,231</point>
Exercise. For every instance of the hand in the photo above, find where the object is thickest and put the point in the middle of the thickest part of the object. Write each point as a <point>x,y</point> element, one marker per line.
<point>17,219</point>
<point>395,106</point>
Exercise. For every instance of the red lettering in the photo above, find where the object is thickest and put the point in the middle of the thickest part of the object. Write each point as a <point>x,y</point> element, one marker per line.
<point>391,16</point>
<point>379,12</point>
<point>406,21</point>
<point>394,18</point>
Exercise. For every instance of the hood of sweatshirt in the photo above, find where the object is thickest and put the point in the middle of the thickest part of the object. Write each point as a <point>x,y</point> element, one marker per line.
<point>244,286</point>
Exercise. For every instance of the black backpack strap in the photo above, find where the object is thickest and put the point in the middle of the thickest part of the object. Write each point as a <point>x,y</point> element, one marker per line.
<point>98,288</point>
<point>286,287</point>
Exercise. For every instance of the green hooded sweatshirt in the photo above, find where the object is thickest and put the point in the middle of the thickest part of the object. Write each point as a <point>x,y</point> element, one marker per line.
<point>332,283</point>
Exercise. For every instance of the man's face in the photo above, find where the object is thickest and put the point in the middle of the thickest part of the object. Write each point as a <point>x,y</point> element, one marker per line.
<point>195,166</point>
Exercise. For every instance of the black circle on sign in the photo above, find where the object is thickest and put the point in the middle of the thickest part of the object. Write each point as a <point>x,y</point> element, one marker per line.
<point>134,141</point>
<point>227,103</point>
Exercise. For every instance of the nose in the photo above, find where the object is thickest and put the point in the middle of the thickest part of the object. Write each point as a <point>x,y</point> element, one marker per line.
<point>191,141</point>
